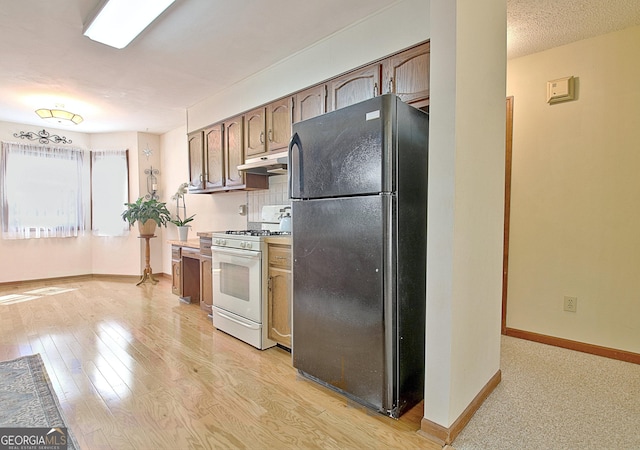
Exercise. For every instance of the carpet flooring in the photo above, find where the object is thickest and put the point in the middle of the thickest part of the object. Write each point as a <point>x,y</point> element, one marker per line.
<point>27,399</point>
<point>553,398</point>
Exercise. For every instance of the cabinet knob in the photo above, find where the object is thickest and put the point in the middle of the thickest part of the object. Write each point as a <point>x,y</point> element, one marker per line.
<point>262,137</point>
<point>270,135</point>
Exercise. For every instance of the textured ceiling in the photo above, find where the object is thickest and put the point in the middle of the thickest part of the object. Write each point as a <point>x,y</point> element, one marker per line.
<point>536,25</point>
<point>200,47</point>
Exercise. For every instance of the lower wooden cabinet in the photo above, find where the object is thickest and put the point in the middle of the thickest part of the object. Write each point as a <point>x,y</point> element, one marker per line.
<point>176,275</point>
<point>191,274</point>
<point>206,277</point>
<point>206,288</point>
<point>279,301</point>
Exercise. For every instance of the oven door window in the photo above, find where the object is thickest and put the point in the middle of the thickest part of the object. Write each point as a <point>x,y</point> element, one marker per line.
<point>237,282</point>
<point>234,282</point>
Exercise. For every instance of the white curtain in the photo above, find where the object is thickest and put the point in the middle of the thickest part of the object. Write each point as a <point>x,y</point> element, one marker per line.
<point>41,191</point>
<point>109,192</point>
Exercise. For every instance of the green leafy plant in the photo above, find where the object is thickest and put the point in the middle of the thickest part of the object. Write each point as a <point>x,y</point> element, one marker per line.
<point>182,222</point>
<point>142,210</point>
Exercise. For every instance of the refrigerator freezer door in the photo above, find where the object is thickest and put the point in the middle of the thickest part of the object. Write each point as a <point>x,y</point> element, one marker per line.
<point>338,294</point>
<point>342,153</point>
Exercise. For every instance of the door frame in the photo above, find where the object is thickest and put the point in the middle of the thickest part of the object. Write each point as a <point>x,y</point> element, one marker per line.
<point>507,209</point>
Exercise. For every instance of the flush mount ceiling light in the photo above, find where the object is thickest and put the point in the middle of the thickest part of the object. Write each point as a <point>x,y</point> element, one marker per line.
<point>118,22</point>
<point>60,116</point>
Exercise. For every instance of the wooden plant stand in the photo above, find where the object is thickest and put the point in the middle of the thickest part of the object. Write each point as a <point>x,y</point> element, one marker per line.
<point>147,275</point>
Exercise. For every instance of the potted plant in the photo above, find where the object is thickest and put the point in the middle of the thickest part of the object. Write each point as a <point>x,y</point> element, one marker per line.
<point>183,228</point>
<point>148,213</point>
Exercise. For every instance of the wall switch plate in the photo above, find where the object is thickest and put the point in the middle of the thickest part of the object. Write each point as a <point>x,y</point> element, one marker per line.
<point>570,303</point>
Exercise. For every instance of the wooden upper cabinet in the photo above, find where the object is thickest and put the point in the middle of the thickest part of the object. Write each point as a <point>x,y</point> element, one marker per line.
<point>279,124</point>
<point>216,152</point>
<point>310,103</point>
<point>196,161</point>
<point>214,156</point>
<point>407,75</point>
<point>233,151</point>
<point>267,128</point>
<point>254,131</point>
<point>354,87</point>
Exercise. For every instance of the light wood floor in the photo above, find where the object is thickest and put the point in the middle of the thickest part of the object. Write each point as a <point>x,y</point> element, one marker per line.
<point>134,368</point>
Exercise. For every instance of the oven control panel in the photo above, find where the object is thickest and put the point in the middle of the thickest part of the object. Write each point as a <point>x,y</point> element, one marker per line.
<point>241,244</point>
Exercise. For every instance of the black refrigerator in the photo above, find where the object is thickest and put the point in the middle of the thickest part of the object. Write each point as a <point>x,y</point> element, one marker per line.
<point>358,184</point>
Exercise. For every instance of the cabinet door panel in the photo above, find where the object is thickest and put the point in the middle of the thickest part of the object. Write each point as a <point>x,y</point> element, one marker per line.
<point>214,172</point>
<point>310,103</point>
<point>407,74</point>
<point>355,87</point>
<point>279,124</point>
<point>254,133</point>
<point>279,308</point>
<point>196,168</point>
<point>176,278</point>
<point>206,288</point>
<point>233,151</point>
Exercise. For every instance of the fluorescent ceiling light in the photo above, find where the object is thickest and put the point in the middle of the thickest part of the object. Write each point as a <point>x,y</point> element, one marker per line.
<point>118,22</point>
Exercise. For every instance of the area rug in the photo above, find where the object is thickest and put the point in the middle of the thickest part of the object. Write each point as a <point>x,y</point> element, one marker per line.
<point>27,399</point>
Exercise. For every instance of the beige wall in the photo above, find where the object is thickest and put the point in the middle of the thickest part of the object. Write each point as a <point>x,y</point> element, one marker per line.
<point>575,220</point>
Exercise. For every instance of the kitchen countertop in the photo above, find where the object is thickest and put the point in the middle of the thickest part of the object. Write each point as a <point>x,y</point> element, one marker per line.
<point>191,243</point>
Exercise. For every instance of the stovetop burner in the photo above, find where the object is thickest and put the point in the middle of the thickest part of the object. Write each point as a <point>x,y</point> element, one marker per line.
<point>257,233</point>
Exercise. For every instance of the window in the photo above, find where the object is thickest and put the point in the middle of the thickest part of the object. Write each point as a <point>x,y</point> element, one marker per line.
<point>41,191</point>
<point>109,192</point>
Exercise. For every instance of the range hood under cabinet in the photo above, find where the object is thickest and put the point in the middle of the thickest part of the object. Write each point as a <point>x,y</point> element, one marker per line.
<point>270,164</point>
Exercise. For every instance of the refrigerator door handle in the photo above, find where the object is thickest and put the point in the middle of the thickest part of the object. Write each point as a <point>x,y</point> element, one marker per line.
<point>295,140</point>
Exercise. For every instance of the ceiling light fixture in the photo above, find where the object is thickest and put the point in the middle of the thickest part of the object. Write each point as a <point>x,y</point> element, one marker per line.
<point>60,116</point>
<point>118,22</point>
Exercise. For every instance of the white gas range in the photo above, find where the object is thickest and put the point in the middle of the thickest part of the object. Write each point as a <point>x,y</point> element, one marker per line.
<point>240,290</point>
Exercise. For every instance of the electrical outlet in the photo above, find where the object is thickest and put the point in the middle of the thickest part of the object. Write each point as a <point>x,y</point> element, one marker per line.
<point>570,304</point>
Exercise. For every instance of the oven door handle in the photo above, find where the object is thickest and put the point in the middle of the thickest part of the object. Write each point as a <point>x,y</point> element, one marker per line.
<point>234,252</point>
<point>236,321</point>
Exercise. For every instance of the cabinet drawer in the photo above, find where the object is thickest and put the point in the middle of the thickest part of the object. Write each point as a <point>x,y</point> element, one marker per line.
<point>188,252</point>
<point>175,252</point>
<point>205,246</point>
<point>280,256</point>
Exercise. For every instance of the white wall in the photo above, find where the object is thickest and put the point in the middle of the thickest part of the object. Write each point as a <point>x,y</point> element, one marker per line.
<point>575,191</point>
<point>466,195</point>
